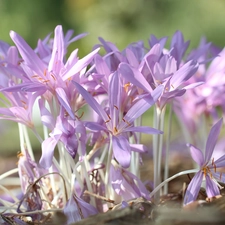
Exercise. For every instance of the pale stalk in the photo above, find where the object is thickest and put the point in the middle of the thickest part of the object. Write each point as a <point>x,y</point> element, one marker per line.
<point>135,164</point>
<point>157,148</point>
<point>168,136</point>
<point>108,165</point>
<point>156,189</point>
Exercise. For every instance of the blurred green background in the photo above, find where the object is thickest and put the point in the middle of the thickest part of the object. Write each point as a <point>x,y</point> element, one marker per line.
<point>118,21</point>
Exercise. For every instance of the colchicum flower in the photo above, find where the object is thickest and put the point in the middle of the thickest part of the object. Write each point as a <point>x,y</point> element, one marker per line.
<point>116,127</point>
<point>208,168</point>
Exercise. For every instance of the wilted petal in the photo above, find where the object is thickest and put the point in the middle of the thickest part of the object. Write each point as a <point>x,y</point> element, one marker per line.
<point>193,188</point>
<point>212,139</point>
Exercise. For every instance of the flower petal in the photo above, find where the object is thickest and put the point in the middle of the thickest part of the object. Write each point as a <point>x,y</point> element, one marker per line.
<point>134,76</point>
<point>196,155</point>
<point>91,101</point>
<point>143,105</point>
<point>121,150</point>
<point>28,54</point>
<point>143,129</point>
<point>193,188</point>
<point>212,139</point>
<point>211,187</point>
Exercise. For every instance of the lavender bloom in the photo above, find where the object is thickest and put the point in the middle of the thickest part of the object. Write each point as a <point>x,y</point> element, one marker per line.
<point>113,126</point>
<point>159,68</point>
<point>50,78</point>
<point>208,168</point>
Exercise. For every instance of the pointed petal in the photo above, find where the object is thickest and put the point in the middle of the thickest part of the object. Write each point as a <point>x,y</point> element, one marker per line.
<point>134,76</point>
<point>28,54</point>
<point>121,150</point>
<point>114,97</point>
<point>95,126</point>
<point>193,188</point>
<point>143,105</point>
<point>81,64</point>
<point>212,139</point>
<point>62,97</point>
<point>220,162</point>
<point>211,187</point>
<point>91,101</point>
<point>58,51</point>
<point>183,74</point>
<point>196,155</point>
<point>220,177</point>
<point>143,129</point>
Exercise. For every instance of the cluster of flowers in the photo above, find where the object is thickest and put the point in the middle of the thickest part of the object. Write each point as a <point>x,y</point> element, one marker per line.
<point>91,110</point>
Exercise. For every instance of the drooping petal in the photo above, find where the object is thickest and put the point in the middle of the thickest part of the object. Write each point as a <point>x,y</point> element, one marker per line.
<point>193,188</point>
<point>212,139</point>
<point>121,150</point>
<point>46,117</point>
<point>196,155</point>
<point>211,187</point>
<point>48,146</point>
<point>77,209</point>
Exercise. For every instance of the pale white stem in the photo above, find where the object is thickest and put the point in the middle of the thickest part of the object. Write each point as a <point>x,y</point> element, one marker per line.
<point>166,167</point>
<point>27,141</point>
<point>156,189</point>
<point>8,173</point>
<point>108,165</point>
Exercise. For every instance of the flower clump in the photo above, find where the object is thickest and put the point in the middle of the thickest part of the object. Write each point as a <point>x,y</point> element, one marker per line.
<point>91,110</point>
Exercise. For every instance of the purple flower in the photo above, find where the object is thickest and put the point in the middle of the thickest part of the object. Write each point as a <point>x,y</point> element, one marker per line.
<point>208,168</point>
<point>115,125</point>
